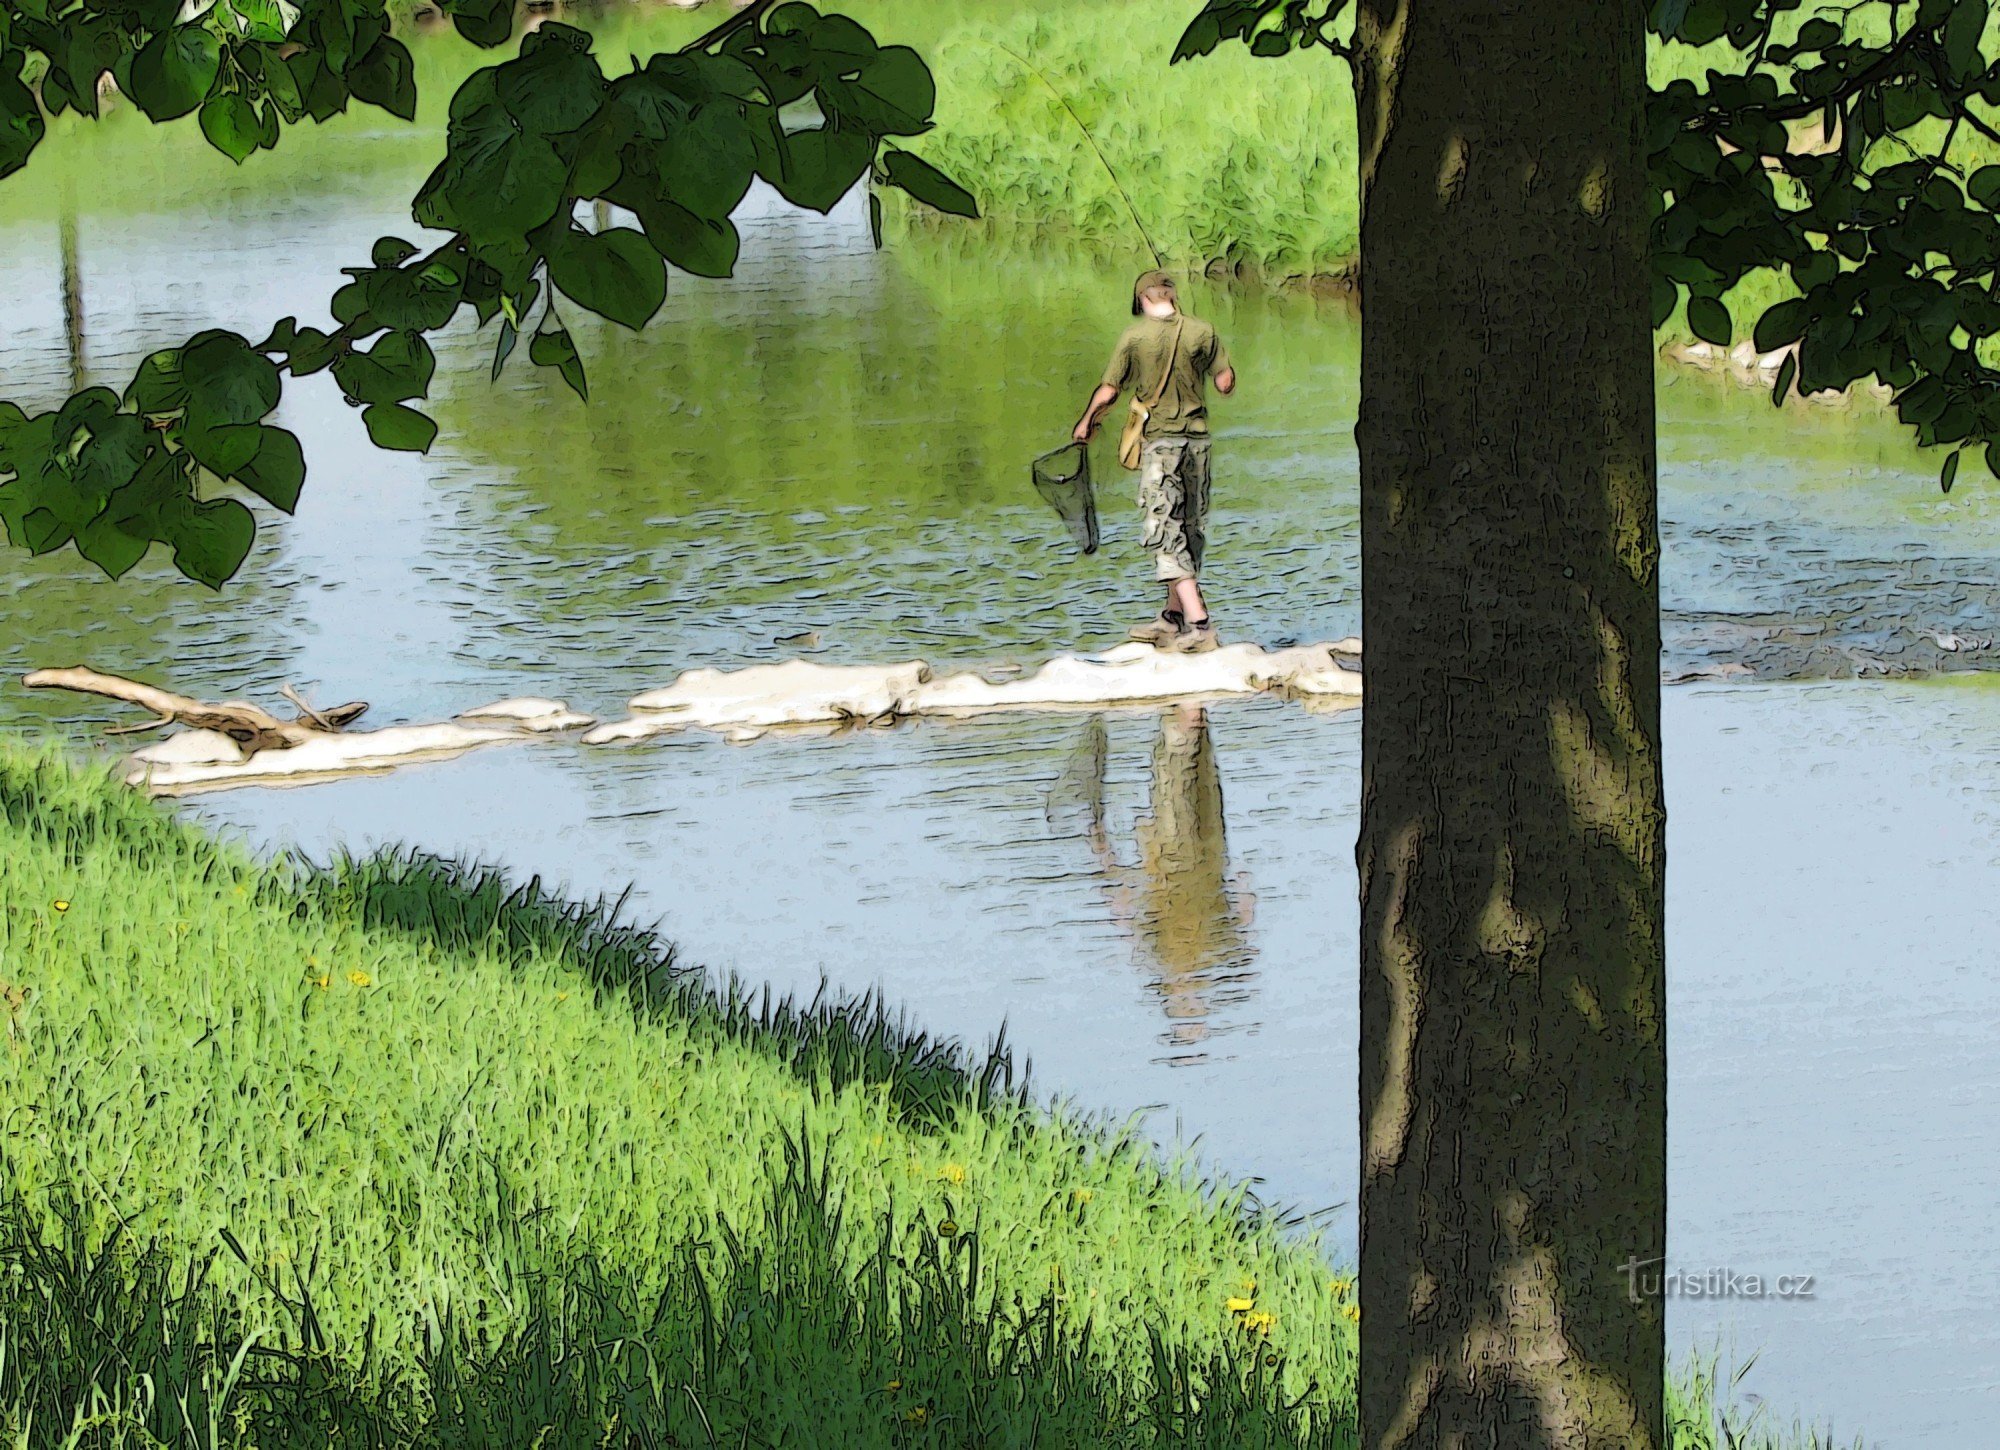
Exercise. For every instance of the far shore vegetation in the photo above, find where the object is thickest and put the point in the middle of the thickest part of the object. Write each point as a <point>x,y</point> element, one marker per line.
<point>1078,131</point>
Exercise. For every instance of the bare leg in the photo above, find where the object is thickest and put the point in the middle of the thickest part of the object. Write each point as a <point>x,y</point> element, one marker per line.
<point>1185,595</point>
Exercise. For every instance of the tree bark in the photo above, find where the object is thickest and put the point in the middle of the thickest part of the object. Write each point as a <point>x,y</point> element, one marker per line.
<point>1512,846</point>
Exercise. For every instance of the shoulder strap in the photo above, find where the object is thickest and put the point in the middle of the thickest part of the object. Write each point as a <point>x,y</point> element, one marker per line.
<point>1173,356</point>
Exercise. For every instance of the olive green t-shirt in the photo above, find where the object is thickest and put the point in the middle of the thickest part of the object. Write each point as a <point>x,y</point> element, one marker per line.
<point>1140,357</point>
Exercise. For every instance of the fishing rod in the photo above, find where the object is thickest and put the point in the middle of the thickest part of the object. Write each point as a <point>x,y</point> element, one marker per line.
<point>1133,211</point>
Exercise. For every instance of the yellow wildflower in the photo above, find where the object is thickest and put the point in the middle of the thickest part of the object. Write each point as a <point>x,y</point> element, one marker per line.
<point>321,981</point>
<point>1352,1311</point>
<point>952,1173</point>
<point>893,1386</point>
<point>916,1414</point>
<point>1258,1321</point>
<point>1238,1305</point>
<point>562,996</point>
<point>61,905</point>
<point>360,979</point>
<point>1082,1195</point>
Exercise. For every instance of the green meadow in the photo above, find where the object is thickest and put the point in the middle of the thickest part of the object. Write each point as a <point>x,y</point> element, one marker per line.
<point>391,1152</point>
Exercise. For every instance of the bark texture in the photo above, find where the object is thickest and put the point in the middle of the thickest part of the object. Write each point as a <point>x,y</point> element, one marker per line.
<point>1512,849</point>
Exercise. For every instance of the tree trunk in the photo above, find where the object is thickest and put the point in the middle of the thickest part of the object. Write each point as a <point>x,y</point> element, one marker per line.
<point>1512,848</point>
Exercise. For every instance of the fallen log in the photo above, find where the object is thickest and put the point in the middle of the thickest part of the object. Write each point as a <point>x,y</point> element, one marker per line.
<point>249,726</point>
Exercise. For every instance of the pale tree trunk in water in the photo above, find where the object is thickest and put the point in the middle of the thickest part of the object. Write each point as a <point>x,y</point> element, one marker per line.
<point>1512,850</point>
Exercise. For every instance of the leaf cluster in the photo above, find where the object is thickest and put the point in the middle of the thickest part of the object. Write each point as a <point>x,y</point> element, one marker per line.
<point>248,68</point>
<point>1823,150</point>
<point>675,142</point>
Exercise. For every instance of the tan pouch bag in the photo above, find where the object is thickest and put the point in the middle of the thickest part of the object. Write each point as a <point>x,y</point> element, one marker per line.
<point>1133,440</point>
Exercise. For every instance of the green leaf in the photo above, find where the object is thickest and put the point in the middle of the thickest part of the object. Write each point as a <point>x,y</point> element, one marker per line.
<point>232,127</point>
<point>262,19</point>
<point>173,72</point>
<point>21,125</point>
<point>107,545</point>
<point>391,251</point>
<point>1708,319</point>
<point>814,168</point>
<point>223,449</point>
<point>386,77</point>
<point>399,366</point>
<point>496,182</point>
<point>227,381</point>
<point>391,425</point>
<point>893,95</point>
<point>706,163</point>
<point>485,23</point>
<point>157,387</point>
<point>1787,370</point>
<point>1949,475</point>
<point>1922,401</point>
<point>1815,269</point>
<point>1783,323</point>
<point>1984,187</point>
<point>1666,17</point>
<point>1665,295</point>
<point>553,348</point>
<point>555,86</point>
<point>278,471</point>
<point>504,348</point>
<point>282,87</point>
<point>927,184</point>
<point>1962,33</point>
<point>415,299</point>
<point>616,274</point>
<point>210,540</point>
<point>875,220</point>
<point>698,244</point>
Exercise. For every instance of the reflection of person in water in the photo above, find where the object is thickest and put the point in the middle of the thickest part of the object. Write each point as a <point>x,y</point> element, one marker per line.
<point>1187,916</point>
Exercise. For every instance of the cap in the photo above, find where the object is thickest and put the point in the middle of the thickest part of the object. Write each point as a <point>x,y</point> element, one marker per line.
<point>1155,278</point>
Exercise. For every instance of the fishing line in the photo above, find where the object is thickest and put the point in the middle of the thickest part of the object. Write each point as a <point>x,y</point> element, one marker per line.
<point>1133,211</point>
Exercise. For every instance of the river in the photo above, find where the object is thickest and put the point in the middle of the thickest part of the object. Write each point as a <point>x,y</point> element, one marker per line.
<point>1159,904</point>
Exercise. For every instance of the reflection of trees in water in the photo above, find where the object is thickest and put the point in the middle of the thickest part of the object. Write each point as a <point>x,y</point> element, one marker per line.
<point>72,298</point>
<point>1188,917</point>
<point>152,624</point>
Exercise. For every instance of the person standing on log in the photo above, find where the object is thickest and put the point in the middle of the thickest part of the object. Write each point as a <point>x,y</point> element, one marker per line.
<point>1168,357</point>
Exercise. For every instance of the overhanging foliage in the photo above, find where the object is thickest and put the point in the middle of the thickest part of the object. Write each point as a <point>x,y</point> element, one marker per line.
<point>1825,150</point>
<point>675,141</point>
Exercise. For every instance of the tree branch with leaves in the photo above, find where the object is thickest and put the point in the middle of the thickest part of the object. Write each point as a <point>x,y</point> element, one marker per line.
<point>675,141</point>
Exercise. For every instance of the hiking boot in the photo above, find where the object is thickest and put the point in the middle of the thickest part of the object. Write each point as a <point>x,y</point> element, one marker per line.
<point>1194,639</point>
<point>1158,632</point>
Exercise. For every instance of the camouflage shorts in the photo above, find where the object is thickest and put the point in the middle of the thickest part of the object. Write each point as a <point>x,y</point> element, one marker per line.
<point>1173,497</point>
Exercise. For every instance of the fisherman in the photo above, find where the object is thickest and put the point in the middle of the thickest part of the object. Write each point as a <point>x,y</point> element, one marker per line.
<point>1170,355</point>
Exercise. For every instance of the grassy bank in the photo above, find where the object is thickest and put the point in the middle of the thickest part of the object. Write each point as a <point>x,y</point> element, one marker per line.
<point>391,1154</point>
<point>1227,160</point>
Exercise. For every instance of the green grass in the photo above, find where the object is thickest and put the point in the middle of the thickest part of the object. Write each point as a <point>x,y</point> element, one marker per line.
<point>1228,158</point>
<point>390,1154</point>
